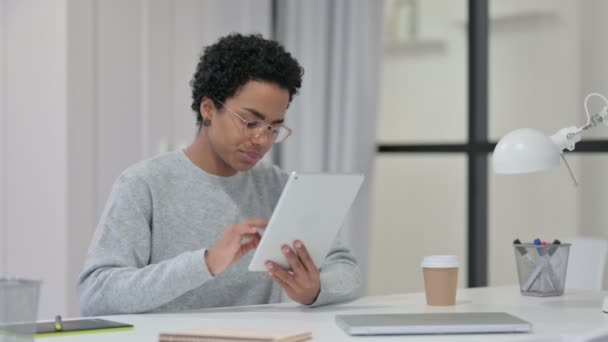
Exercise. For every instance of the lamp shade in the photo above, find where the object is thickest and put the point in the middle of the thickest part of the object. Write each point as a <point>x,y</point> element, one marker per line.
<point>525,150</point>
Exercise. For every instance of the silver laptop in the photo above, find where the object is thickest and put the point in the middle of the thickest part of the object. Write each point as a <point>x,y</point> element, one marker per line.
<point>432,323</point>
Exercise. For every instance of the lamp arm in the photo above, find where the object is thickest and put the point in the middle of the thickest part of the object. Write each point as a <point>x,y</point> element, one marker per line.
<point>566,138</point>
<point>595,120</point>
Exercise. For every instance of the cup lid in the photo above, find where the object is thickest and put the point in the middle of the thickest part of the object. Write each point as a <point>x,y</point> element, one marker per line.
<point>440,261</point>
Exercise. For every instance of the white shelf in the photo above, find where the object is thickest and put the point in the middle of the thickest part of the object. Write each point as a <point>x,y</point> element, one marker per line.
<point>415,47</point>
<point>521,20</point>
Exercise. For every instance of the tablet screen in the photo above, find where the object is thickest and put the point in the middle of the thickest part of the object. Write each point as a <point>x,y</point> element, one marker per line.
<point>312,208</point>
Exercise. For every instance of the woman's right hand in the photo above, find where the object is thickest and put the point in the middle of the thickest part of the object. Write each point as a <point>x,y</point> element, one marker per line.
<point>230,247</point>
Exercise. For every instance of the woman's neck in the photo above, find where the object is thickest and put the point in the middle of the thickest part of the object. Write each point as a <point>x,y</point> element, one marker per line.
<point>202,155</point>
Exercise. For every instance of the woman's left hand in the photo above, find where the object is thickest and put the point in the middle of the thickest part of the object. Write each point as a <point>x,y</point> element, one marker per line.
<point>301,283</point>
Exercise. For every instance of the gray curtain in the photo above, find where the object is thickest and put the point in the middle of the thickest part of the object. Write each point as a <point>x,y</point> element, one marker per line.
<point>339,45</point>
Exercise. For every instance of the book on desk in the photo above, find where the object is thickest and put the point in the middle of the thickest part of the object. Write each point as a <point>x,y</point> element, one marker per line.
<point>234,335</point>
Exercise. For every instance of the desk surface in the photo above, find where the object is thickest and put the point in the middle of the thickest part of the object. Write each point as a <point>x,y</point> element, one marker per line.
<point>576,313</point>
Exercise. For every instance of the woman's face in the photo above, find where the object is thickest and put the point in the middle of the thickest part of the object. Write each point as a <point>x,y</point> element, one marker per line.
<point>232,148</point>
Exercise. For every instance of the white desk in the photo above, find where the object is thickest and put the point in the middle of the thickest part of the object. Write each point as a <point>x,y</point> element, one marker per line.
<point>553,318</point>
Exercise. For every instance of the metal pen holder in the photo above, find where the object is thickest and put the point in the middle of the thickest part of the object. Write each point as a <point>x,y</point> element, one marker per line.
<point>542,269</point>
<point>18,309</point>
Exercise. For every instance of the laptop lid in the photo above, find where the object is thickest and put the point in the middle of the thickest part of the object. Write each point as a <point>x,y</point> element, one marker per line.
<point>432,323</point>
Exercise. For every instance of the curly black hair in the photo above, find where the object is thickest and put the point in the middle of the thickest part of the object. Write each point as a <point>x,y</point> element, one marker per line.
<point>236,59</point>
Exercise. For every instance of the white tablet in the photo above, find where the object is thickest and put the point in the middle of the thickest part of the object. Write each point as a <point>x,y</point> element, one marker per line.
<point>312,208</point>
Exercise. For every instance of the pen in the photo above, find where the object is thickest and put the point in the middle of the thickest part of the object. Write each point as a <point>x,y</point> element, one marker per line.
<point>546,262</point>
<point>539,266</point>
<point>58,324</point>
<point>526,257</point>
<point>540,248</point>
<point>521,250</point>
<point>552,277</point>
<point>554,248</point>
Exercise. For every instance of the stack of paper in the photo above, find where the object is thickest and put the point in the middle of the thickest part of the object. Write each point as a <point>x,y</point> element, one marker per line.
<point>234,335</point>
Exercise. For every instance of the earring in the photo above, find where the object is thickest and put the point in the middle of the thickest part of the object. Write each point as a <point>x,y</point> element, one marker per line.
<point>206,122</point>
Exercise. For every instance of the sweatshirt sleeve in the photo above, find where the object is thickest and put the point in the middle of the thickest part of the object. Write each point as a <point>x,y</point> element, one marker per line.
<point>340,276</point>
<point>117,277</point>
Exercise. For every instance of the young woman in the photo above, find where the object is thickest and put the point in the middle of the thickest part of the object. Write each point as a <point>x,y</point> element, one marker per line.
<point>171,235</point>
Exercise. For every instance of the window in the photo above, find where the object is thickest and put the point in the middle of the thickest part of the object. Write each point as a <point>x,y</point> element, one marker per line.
<point>457,76</point>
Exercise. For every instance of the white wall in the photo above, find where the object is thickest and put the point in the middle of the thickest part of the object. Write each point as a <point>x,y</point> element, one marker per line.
<point>419,205</point>
<point>35,163</point>
<point>424,78</point>
<point>559,60</point>
<point>594,53</point>
<point>594,216</point>
<point>146,54</point>
<point>534,65</point>
<point>87,88</point>
<point>419,209</point>
<point>81,135</point>
<point>3,135</point>
<point>535,77</point>
<point>541,53</point>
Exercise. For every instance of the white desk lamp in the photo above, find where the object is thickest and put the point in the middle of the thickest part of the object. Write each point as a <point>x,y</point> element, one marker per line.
<point>527,150</point>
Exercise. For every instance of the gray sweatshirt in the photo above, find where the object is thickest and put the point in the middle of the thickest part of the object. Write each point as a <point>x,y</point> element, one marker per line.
<point>147,253</point>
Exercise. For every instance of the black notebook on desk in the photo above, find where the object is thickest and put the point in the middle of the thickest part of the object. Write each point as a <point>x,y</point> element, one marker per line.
<point>72,327</point>
<point>80,326</point>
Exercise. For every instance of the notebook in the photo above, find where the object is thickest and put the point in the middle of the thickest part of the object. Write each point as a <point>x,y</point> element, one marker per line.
<point>69,327</point>
<point>80,326</point>
<point>234,335</point>
<point>432,323</point>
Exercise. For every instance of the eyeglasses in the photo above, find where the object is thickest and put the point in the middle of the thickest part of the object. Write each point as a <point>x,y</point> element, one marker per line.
<point>255,128</point>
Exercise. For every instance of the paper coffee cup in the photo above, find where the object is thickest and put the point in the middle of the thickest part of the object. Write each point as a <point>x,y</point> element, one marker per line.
<point>440,279</point>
